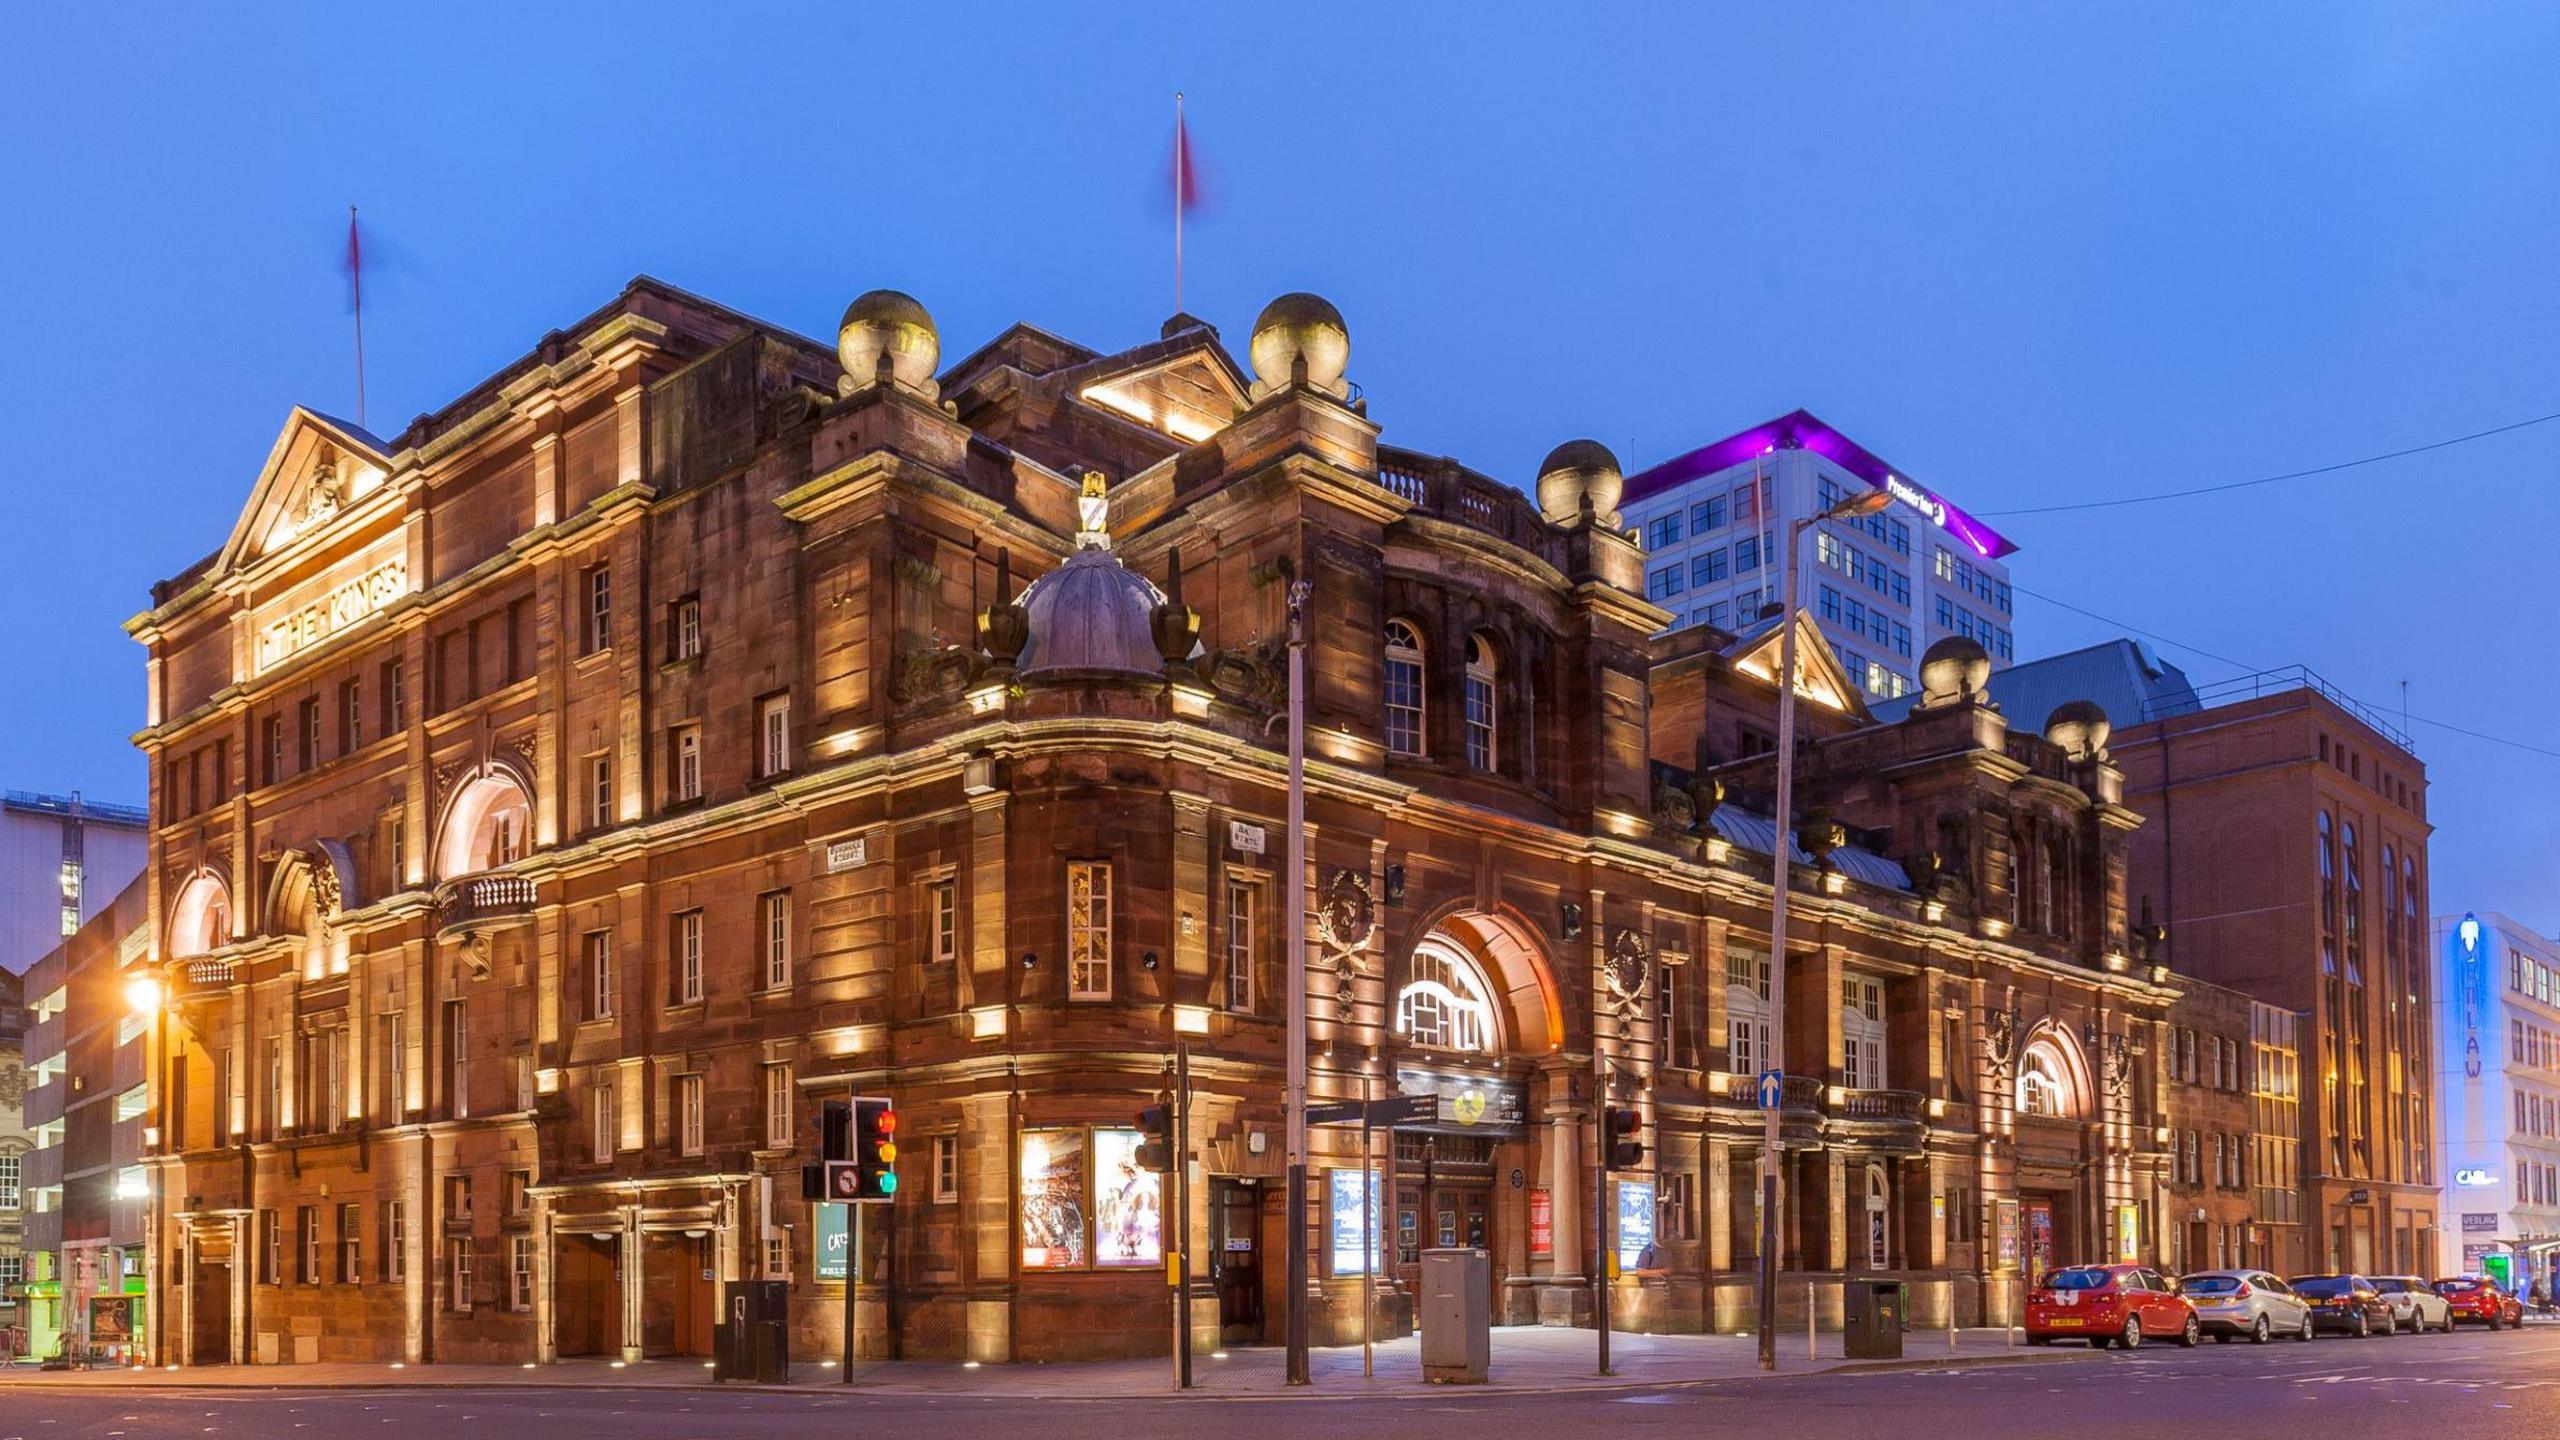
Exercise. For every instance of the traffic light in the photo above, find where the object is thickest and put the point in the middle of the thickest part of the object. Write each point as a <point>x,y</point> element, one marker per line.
<point>835,1130</point>
<point>875,1149</point>
<point>1616,1125</point>
<point>1155,1145</point>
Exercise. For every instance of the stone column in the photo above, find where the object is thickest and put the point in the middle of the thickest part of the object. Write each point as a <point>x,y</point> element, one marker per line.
<point>1719,1205</point>
<point>635,1283</point>
<point>546,1285</point>
<point>1564,1186</point>
<point>244,1262</point>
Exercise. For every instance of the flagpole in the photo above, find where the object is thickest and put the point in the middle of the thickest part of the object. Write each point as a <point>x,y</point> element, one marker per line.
<point>355,276</point>
<point>1181,196</point>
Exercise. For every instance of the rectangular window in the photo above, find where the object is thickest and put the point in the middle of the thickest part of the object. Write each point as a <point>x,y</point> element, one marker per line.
<point>350,715</point>
<point>458,1274</point>
<point>1243,899</point>
<point>1085,1203</point>
<point>350,1244</point>
<point>773,735</point>
<point>946,1169</point>
<point>1746,554</point>
<point>1711,567</point>
<point>777,1107</point>
<point>774,940</point>
<point>520,1272</point>
<point>688,957</point>
<point>457,1043</point>
<point>12,1196</point>
<point>395,697</point>
<point>1664,583</point>
<point>1746,502</point>
<point>1706,515</point>
<point>688,1114</point>
<point>394,1068</point>
<point>395,1241</point>
<point>1664,530</point>
<point>604,1118</point>
<point>1088,930</point>
<point>599,792</point>
<point>270,1249</point>
<point>307,734</point>
<point>942,921</point>
<point>684,628</point>
<point>596,631</point>
<point>684,762</point>
<point>598,973</point>
<point>271,750</point>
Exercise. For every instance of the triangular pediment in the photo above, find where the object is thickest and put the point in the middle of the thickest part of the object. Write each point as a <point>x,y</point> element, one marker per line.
<point>320,467</point>
<point>1187,386</point>
<point>1820,678</point>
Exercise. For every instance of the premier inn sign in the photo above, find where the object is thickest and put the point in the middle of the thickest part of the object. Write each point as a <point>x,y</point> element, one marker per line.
<point>291,634</point>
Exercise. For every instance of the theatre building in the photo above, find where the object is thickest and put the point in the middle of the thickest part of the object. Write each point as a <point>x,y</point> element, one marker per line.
<point>555,803</point>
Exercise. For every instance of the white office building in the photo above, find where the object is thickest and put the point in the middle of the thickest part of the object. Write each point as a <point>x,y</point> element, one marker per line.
<point>1881,588</point>
<point>2498,1091</point>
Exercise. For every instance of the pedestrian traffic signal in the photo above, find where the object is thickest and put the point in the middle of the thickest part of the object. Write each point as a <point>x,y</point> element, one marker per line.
<point>1616,1125</point>
<point>1155,1143</point>
<point>875,1149</point>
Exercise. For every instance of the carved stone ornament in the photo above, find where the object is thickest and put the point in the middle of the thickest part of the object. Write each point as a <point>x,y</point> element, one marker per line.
<point>1347,910</point>
<point>1252,674</point>
<point>2119,1062</point>
<point>1629,965</point>
<point>325,895</point>
<point>13,1087</point>
<point>2000,1038</point>
<point>325,492</point>
<point>931,674</point>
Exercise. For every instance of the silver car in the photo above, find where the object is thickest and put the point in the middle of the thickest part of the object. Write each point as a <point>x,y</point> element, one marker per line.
<point>2415,1303</point>
<point>2251,1303</point>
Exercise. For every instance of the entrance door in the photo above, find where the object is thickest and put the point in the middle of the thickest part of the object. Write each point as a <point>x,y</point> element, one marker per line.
<point>676,1301</point>
<point>1879,1249</point>
<point>1235,1256</point>
<point>586,1302</point>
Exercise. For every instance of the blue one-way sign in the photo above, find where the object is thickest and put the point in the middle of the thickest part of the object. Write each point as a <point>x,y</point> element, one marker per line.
<point>1771,1088</point>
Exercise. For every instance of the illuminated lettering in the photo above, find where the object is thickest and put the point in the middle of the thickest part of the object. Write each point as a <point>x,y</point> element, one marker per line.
<point>291,634</point>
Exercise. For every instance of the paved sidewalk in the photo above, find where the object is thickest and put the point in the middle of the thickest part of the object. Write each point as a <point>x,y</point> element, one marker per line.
<point>1525,1360</point>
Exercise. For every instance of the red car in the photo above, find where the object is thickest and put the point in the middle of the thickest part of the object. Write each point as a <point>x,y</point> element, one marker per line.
<point>2105,1305</point>
<point>2477,1300</point>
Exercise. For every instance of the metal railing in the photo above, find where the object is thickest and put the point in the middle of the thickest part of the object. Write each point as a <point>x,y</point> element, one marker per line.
<point>2277,682</point>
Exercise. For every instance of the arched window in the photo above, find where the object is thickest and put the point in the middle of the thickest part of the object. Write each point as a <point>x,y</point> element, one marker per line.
<point>1482,667</point>
<point>2354,910</point>
<point>202,919</point>
<point>489,825</point>
<point>1404,689</point>
<point>2328,845</point>
<point>1447,1006</point>
<point>1877,1208</point>
<point>2040,1086</point>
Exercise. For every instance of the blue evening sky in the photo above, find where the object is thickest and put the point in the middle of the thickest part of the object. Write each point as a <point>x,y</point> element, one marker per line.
<point>2029,253</point>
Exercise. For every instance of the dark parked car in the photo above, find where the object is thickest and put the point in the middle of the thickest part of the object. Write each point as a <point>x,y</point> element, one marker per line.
<point>2347,1304</point>
<point>2477,1300</point>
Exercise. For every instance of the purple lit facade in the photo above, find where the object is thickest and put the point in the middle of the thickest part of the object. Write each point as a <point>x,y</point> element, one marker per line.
<point>1881,589</point>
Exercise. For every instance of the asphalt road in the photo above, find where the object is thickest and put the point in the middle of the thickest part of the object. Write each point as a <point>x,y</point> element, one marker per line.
<point>2335,1389</point>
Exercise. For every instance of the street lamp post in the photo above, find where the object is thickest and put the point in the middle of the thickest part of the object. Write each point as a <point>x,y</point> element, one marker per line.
<point>147,997</point>
<point>1866,502</point>
<point>1295,1083</point>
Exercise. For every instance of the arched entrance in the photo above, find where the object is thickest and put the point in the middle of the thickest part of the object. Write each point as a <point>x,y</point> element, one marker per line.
<point>2055,1095</point>
<point>201,919</point>
<point>1474,1009</point>
<point>488,823</point>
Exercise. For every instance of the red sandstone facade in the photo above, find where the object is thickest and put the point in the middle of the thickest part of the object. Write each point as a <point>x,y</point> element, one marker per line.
<point>556,802</point>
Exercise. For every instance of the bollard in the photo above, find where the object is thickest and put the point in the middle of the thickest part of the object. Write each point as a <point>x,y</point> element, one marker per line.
<point>1809,1352</point>
<point>1951,1317</point>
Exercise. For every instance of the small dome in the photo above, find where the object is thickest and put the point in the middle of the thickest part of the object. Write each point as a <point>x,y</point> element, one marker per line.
<point>1299,325</point>
<point>1092,613</point>
<point>1954,669</point>
<point>1573,471</point>
<point>2081,728</point>
<point>887,320</point>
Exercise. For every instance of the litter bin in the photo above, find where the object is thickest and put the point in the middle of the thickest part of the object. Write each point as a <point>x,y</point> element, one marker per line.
<point>1871,1319</point>
<point>1457,1316</point>
<point>754,1342</point>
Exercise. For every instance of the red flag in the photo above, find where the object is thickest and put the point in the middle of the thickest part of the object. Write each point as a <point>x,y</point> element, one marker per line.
<point>1186,178</point>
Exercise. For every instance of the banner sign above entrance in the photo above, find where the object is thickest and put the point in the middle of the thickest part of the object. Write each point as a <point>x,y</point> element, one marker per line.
<point>1469,1104</point>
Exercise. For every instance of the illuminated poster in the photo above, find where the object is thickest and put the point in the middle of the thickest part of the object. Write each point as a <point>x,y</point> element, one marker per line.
<point>1052,1200</point>
<point>834,1239</point>
<point>1542,1222</point>
<point>1635,1224</point>
<point>2008,1232</point>
<point>2128,1232</point>
<point>1128,1209</point>
<point>1342,1188</point>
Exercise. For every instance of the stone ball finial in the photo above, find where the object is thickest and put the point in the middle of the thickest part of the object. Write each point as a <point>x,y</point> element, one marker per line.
<point>2081,728</point>
<point>888,330</point>
<point>1576,471</point>
<point>1953,670</point>
<point>1299,330</point>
